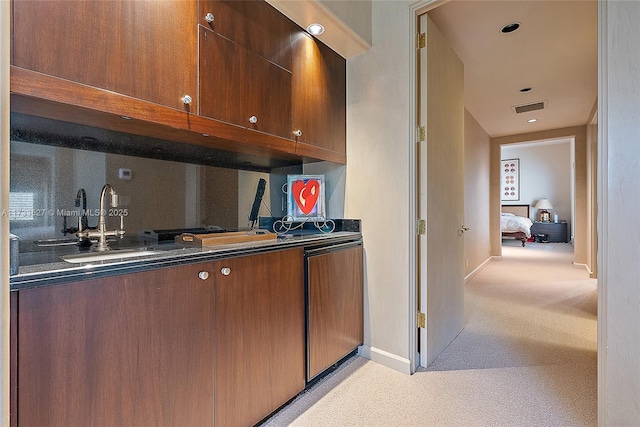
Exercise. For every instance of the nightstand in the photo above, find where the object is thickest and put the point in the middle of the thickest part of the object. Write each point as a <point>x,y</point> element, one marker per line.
<point>556,232</point>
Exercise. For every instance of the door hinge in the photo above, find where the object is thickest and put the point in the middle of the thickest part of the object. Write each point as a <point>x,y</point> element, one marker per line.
<point>421,320</point>
<point>421,227</point>
<point>421,40</point>
<point>420,133</point>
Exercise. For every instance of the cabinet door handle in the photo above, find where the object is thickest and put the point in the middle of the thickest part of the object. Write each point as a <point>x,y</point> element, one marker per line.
<point>186,99</point>
<point>204,275</point>
<point>297,132</point>
<point>209,17</point>
<point>253,120</point>
<point>225,271</point>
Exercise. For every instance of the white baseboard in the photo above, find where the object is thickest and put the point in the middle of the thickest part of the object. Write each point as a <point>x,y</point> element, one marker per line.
<point>480,267</point>
<point>585,266</point>
<point>385,358</point>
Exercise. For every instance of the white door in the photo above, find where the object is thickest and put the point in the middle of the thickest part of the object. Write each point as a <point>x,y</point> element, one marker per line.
<point>440,192</point>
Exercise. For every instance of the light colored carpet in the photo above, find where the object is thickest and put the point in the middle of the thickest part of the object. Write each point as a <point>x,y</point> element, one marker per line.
<point>527,357</point>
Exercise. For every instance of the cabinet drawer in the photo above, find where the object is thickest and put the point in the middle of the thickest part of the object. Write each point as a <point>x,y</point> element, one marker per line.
<point>556,232</point>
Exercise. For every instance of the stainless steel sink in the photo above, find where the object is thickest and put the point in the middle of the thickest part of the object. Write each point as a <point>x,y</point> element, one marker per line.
<point>110,255</point>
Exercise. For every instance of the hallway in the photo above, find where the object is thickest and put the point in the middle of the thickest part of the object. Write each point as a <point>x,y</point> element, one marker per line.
<point>527,357</point>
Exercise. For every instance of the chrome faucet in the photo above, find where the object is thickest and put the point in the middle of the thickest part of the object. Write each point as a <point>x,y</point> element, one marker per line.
<point>102,233</point>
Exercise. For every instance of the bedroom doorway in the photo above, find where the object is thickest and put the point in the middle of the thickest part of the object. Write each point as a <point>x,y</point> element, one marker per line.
<point>538,178</point>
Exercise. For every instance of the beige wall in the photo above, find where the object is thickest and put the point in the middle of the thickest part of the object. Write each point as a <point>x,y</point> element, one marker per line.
<point>477,146</point>
<point>379,142</point>
<point>580,226</point>
<point>619,204</point>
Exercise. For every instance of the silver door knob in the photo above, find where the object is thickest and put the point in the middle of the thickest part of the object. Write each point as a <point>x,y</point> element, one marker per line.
<point>225,271</point>
<point>297,132</point>
<point>204,275</point>
<point>187,99</point>
<point>253,120</point>
<point>209,17</point>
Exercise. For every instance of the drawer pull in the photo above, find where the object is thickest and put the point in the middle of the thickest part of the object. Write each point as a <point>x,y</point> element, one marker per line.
<point>225,271</point>
<point>209,17</point>
<point>204,275</point>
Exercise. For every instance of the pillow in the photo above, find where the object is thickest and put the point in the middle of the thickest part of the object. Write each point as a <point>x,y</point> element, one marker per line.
<point>507,214</point>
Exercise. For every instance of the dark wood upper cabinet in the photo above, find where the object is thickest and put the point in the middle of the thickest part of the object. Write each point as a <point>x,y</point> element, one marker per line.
<point>93,62</point>
<point>252,24</point>
<point>119,351</point>
<point>236,85</point>
<point>143,49</point>
<point>259,335</point>
<point>319,94</point>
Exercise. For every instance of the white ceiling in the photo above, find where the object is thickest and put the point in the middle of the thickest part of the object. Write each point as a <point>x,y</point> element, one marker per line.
<point>554,52</point>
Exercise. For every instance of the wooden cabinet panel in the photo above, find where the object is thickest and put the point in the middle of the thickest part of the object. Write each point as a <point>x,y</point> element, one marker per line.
<point>236,84</point>
<point>319,94</point>
<point>259,335</point>
<point>253,25</point>
<point>126,350</point>
<point>143,49</point>
<point>13,358</point>
<point>335,314</point>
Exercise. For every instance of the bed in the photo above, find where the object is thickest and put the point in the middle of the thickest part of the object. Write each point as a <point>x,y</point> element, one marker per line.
<point>515,222</point>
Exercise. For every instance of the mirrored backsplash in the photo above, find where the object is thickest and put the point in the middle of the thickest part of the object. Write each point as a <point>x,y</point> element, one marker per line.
<point>154,194</point>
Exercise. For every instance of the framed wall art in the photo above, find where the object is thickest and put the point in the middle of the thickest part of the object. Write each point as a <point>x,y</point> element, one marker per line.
<point>305,197</point>
<point>510,180</point>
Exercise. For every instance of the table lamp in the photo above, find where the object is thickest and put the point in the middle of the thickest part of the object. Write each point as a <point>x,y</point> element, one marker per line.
<point>544,204</point>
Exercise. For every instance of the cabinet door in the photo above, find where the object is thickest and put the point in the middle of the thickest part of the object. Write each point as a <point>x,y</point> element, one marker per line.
<point>335,314</point>
<point>236,84</point>
<point>259,335</point>
<point>129,350</point>
<point>319,94</point>
<point>143,49</point>
<point>253,25</point>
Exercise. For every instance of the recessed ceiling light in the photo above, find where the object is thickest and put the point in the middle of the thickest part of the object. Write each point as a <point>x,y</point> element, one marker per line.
<point>525,89</point>
<point>510,27</point>
<point>532,120</point>
<point>315,29</point>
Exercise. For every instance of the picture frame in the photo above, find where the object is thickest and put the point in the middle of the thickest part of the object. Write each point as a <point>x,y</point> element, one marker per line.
<point>510,179</point>
<point>306,198</point>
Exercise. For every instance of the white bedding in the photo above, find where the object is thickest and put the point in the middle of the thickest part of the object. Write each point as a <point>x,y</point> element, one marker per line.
<point>509,223</point>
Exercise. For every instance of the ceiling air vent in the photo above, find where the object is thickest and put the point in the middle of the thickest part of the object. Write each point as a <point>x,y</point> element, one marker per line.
<point>539,105</point>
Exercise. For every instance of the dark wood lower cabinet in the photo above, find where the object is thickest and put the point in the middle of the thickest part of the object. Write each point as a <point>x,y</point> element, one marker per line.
<point>335,315</point>
<point>13,358</point>
<point>167,348</point>
<point>131,350</point>
<point>259,335</point>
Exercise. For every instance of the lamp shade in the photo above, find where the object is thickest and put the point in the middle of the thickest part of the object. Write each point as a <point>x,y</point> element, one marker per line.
<point>543,204</point>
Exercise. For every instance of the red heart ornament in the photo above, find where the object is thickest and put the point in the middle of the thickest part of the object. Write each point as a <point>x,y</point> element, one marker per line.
<point>306,194</point>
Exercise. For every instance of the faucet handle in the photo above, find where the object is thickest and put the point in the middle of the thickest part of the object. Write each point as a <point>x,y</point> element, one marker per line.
<point>121,231</point>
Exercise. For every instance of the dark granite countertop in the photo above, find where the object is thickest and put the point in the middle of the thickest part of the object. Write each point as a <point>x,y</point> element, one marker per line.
<point>46,268</point>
